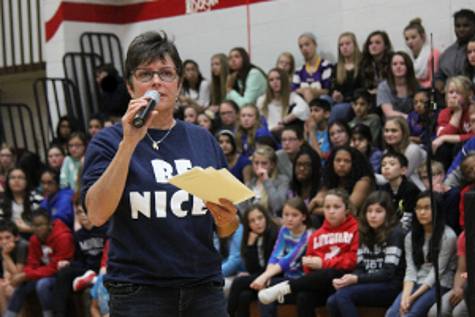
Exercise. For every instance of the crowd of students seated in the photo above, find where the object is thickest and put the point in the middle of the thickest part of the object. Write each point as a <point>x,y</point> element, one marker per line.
<point>335,155</point>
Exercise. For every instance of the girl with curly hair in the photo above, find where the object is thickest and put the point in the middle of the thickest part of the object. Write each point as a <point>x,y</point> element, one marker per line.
<point>377,279</point>
<point>348,169</point>
<point>429,240</point>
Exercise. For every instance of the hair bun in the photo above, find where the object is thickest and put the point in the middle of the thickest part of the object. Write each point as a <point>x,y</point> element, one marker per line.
<point>416,21</point>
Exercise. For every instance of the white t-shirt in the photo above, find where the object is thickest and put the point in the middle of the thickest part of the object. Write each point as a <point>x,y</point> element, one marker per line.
<point>201,96</point>
<point>274,116</point>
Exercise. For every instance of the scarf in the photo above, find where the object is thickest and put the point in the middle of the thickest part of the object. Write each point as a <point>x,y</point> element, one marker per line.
<point>420,63</point>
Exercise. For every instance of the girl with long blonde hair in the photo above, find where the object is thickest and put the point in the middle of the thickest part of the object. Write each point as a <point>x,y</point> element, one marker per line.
<point>279,105</point>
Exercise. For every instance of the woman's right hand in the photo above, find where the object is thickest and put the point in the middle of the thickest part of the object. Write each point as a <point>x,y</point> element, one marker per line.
<point>133,135</point>
<point>252,238</point>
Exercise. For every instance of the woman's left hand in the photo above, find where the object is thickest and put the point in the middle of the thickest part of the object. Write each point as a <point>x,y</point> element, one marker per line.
<point>224,214</point>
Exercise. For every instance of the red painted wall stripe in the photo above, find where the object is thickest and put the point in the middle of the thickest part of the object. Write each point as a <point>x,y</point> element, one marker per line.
<point>125,14</point>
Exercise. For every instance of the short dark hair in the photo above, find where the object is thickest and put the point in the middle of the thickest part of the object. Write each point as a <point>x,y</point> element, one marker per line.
<point>40,212</point>
<point>53,172</point>
<point>97,116</point>
<point>230,136</point>
<point>9,226</point>
<point>465,13</point>
<point>365,132</point>
<point>364,94</point>
<point>296,129</point>
<point>402,159</point>
<point>57,146</point>
<point>269,141</point>
<point>320,103</point>
<point>232,103</point>
<point>148,47</point>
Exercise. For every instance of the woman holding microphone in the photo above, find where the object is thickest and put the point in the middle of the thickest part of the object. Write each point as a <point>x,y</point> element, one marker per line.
<point>162,261</point>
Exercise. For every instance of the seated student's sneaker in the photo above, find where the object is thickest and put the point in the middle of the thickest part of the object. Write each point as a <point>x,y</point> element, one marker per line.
<point>84,280</point>
<point>273,293</point>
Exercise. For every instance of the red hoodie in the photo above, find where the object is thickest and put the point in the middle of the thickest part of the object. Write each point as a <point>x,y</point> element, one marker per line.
<point>43,259</point>
<point>336,246</point>
<point>445,128</point>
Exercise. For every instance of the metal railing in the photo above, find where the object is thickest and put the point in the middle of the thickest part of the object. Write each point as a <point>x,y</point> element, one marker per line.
<point>55,97</point>
<point>21,37</point>
<point>17,127</point>
<point>106,45</point>
<point>79,68</point>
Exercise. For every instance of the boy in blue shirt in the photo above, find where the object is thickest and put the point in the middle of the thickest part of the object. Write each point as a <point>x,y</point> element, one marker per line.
<point>316,127</point>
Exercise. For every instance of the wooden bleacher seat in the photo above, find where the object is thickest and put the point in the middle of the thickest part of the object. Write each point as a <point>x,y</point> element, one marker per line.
<point>291,311</point>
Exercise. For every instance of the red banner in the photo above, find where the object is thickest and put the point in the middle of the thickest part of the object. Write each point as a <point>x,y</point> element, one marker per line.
<point>125,14</point>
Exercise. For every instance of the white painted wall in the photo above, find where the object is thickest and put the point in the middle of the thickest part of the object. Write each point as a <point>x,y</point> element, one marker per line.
<point>275,27</point>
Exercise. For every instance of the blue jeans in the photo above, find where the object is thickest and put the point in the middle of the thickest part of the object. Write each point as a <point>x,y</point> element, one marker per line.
<point>338,110</point>
<point>421,305</point>
<point>44,291</point>
<point>205,300</point>
<point>344,302</point>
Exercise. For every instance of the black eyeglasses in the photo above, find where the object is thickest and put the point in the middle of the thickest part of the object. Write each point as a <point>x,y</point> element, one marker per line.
<point>146,74</point>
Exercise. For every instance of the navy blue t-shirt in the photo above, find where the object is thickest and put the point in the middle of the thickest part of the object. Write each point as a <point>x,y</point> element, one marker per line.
<point>159,235</point>
<point>89,246</point>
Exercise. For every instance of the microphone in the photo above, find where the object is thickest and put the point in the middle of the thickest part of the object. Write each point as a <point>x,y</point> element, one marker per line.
<point>143,114</point>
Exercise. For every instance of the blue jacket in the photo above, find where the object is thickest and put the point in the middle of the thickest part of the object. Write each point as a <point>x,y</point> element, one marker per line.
<point>61,206</point>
